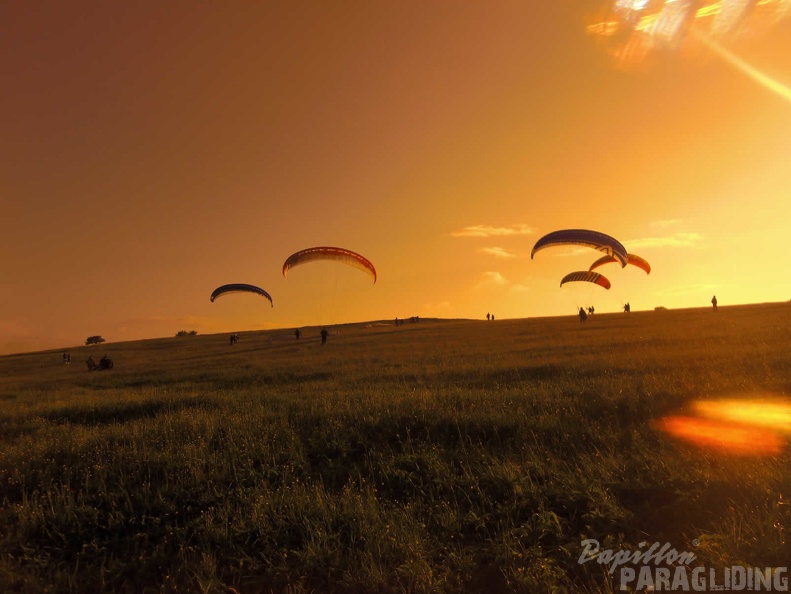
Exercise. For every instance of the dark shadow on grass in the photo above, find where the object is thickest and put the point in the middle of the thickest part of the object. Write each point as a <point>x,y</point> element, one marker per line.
<point>14,429</point>
<point>474,378</point>
<point>115,382</point>
<point>125,411</point>
<point>526,374</point>
<point>225,382</point>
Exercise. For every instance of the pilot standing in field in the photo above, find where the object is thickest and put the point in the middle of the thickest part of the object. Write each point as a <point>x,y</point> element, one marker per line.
<point>324,335</point>
<point>714,303</point>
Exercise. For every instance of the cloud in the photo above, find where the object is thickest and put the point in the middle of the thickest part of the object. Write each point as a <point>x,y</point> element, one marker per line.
<point>675,240</point>
<point>634,245</point>
<point>489,231</point>
<point>665,223</point>
<point>497,252</point>
<point>491,278</point>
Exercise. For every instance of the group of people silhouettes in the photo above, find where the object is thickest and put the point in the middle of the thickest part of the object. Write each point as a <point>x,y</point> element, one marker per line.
<point>104,363</point>
<point>324,334</point>
<point>413,320</point>
<point>583,315</point>
<point>626,308</point>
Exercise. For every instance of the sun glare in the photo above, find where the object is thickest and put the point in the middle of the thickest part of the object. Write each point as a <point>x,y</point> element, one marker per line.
<point>728,438</point>
<point>768,414</point>
<point>740,64</point>
<point>748,426</point>
<point>637,28</point>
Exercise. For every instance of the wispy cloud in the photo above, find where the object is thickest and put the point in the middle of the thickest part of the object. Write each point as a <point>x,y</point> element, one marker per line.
<point>490,231</point>
<point>497,252</point>
<point>519,288</point>
<point>675,240</point>
<point>491,279</point>
<point>663,223</point>
<point>634,245</point>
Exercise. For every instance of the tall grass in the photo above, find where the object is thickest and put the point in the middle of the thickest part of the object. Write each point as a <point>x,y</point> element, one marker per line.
<point>442,456</point>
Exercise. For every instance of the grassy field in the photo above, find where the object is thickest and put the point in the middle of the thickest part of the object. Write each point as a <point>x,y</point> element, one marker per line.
<point>439,456</point>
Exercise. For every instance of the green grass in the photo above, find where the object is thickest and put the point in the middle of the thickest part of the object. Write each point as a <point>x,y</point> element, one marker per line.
<point>442,456</point>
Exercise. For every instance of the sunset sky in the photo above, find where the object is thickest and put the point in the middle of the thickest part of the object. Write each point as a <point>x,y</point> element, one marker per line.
<point>152,151</point>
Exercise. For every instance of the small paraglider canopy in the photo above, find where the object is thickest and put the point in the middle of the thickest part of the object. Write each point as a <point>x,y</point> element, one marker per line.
<point>631,259</point>
<point>584,237</point>
<point>586,276</point>
<point>336,254</point>
<point>240,288</point>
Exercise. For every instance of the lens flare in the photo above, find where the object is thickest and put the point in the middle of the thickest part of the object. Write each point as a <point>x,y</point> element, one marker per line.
<point>758,425</point>
<point>727,438</point>
<point>632,30</point>
<point>744,67</point>
<point>772,414</point>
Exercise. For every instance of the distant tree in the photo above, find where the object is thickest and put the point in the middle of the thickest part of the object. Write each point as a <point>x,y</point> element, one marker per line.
<point>94,340</point>
<point>193,332</point>
<point>181,333</point>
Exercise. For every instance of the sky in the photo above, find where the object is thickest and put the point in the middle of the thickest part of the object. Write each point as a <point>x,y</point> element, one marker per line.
<point>153,151</point>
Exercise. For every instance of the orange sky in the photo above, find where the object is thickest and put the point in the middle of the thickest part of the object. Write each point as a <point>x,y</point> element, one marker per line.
<point>151,152</point>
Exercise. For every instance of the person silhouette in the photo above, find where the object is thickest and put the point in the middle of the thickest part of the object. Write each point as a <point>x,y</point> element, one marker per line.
<point>583,315</point>
<point>324,335</point>
<point>714,303</point>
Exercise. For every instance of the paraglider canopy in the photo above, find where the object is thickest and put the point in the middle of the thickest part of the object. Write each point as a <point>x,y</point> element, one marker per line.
<point>631,259</point>
<point>240,288</point>
<point>329,253</point>
<point>586,276</point>
<point>584,237</point>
